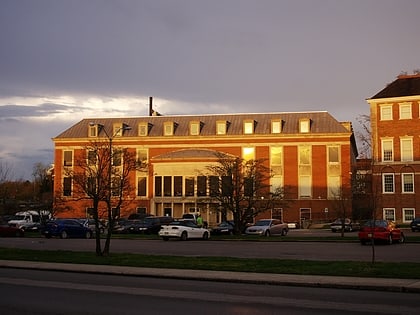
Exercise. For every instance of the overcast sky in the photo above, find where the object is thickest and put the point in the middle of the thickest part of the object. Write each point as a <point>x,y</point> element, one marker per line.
<point>65,60</point>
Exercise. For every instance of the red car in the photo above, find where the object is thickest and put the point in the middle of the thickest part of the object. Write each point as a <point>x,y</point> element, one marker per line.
<point>380,230</point>
<point>7,230</point>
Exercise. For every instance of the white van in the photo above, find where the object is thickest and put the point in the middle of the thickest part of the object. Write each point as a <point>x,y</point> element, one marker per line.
<point>29,220</point>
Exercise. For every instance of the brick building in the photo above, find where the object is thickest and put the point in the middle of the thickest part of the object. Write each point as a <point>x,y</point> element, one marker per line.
<point>310,152</point>
<point>395,125</point>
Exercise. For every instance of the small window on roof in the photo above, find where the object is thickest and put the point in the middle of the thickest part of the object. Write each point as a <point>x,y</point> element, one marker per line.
<point>221,127</point>
<point>304,125</point>
<point>276,126</point>
<point>249,126</point>
<point>93,130</point>
<point>169,128</point>
<point>195,127</point>
<point>117,129</point>
<point>143,129</point>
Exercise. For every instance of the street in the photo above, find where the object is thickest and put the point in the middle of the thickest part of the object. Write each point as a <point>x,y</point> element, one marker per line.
<point>46,292</point>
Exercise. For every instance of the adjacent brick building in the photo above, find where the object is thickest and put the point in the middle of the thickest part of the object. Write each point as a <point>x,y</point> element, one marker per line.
<point>310,152</point>
<point>395,124</point>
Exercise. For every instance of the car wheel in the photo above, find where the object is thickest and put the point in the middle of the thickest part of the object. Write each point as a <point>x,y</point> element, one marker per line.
<point>390,241</point>
<point>88,234</point>
<point>284,232</point>
<point>267,233</point>
<point>206,236</point>
<point>184,236</point>
<point>165,238</point>
<point>402,239</point>
<point>63,234</point>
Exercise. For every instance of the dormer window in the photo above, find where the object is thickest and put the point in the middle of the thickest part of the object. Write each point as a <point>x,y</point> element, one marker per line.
<point>144,128</point>
<point>276,126</point>
<point>222,127</point>
<point>117,130</point>
<point>195,128</point>
<point>93,130</point>
<point>249,126</point>
<point>169,128</point>
<point>304,125</point>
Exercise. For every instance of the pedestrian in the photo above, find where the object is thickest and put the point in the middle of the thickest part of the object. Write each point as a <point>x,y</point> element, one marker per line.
<point>199,220</point>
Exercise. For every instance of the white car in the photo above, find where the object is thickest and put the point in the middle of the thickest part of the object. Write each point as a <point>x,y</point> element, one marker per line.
<point>183,230</point>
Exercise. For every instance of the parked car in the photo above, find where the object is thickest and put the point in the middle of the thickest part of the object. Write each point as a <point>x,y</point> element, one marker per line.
<point>7,230</point>
<point>415,224</point>
<point>183,230</point>
<point>90,223</point>
<point>381,230</point>
<point>349,225</point>
<point>151,225</point>
<point>267,227</point>
<point>65,228</point>
<point>225,227</point>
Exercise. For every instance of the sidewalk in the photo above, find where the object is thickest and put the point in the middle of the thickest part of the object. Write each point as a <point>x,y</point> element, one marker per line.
<point>379,284</point>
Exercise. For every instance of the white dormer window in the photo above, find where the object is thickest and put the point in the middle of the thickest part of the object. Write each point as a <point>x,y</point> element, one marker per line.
<point>168,128</point>
<point>117,130</point>
<point>195,128</point>
<point>276,126</point>
<point>249,127</point>
<point>143,129</point>
<point>304,125</point>
<point>93,130</point>
<point>221,127</point>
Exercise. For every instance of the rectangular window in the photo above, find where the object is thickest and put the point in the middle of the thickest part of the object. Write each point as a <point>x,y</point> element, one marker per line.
<point>227,186</point>
<point>407,182</point>
<point>167,186</point>
<point>304,155</point>
<point>141,158</point>
<point>158,186</point>
<point>116,158</point>
<point>249,127</point>
<point>93,130</point>
<point>277,214</point>
<point>405,111</point>
<point>141,186</point>
<point>117,130</point>
<point>67,182</point>
<point>276,184</point>
<point>304,125</point>
<point>387,150</point>
<point>189,186</point>
<point>68,158</point>
<point>195,127</point>
<point>386,112</point>
<point>388,183</point>
<point>408,214</point>
<point>406,149</point>
<point>221,127</point>
<point>201,186</point>
<point>276,155</point>
<point>305,186</point>
<point>333,155</point>
<point>276,126</point>
<point>214,186</point>
<point>249,187</point>
<point>168,128</point>
<point>177,186</point>
<point>143,129</point>
<point>92,157</point>
<point>334,187</point>
<point>248,153</point>
<point>389,214</point>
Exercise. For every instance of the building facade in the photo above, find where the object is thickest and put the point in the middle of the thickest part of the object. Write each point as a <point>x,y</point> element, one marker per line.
<point>311,153</point>
<point>395,126</point>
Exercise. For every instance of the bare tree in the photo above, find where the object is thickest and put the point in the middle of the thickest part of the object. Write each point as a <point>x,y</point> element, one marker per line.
<point>342,205</point>
<point>244,191</point>
<point>103,177</point>
<point>364,136</point>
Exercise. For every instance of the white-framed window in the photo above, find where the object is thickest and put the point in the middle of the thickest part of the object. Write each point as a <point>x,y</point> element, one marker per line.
<point>389,214</point>
<point>388,183</point>
<point>276,155</point>
<point>143,129</point>
<point>305,186</point>
<point>408,214</point>
<point>221,127</point>
<point>249,127</point>
<point>407,181</point>
<point>405,111</point>
<point>387,150</point>
<point>334,187</point>
<point>304,155</point>
<point>195,127</point>
<point>406,149</point>
<point>168,128</point>
<point>333,154</point>
<point>117,130</point>
<point>386,112</point>
<point>248,153</point>
<point>142,158</point>
<point>93,130</point>
<point>68,158</point>
<point>304,125</point>
<point>276,126</point>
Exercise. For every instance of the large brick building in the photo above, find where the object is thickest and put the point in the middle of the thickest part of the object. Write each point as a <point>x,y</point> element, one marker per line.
<point>310,152</point>
<point>395,125</point>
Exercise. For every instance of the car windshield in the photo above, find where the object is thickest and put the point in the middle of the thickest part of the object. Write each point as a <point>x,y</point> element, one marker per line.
<point>376,223</point>
<point>262,222</point>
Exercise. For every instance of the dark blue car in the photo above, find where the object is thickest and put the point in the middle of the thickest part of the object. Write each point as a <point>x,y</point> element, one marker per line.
<point>65,228</point>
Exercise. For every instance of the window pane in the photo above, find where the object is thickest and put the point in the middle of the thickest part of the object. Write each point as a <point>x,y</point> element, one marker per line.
<point>406,150</point>
<point>388,182</point>
<point>408,182</point>
<point>141,186</point>
<point>167,186</point>
<point>189,186</point>
<point>214,186</point>
<point>68,158</point>
<point>386,112</point>
<point>387,154</point>
<point>158,186</point>
<point>333,155</point>
<point>177,186</point>
<point>276,156</point>
<point>248,127</point>
<point>201,185</point>
<point>67,186</point>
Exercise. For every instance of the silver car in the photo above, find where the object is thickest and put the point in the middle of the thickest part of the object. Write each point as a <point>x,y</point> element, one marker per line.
<point>267,227</point>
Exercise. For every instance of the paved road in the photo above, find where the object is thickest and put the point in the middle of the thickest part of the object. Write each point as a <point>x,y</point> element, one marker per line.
<point>246,249</point>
